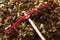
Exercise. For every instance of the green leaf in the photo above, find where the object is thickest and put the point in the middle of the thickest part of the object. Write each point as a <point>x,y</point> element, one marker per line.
<point>21,27</point>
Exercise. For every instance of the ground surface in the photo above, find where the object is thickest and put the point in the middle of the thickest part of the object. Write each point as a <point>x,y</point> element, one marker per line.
<point>46,20</point>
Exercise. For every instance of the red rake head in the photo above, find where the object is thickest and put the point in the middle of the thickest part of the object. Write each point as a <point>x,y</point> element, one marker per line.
<point>48,5</point>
